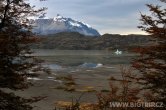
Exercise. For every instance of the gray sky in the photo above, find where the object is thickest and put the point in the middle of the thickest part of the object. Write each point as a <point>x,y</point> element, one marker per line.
<point>107,16</point>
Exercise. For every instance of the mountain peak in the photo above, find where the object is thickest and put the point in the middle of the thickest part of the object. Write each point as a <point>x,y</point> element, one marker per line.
<point>58,16</point>
<point>44,26</point>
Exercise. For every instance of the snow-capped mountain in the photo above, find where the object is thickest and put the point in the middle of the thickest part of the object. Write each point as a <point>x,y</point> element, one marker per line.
<point>45,26</point>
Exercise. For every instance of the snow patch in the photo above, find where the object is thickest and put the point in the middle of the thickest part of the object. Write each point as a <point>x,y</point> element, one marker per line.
<point>44,26</point>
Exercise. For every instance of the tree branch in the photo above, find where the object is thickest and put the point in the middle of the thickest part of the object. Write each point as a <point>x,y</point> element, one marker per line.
<point>2,24</point>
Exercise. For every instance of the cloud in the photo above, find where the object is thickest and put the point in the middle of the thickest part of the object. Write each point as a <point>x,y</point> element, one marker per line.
<point>108,16</point>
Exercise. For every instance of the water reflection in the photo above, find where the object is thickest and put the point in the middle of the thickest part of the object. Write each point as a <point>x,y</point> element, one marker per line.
<point>91,65</point>
<point>75,61</point>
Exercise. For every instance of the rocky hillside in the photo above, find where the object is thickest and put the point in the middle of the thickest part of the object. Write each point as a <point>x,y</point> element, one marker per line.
<point>46,26</point>
<point>76,41</point>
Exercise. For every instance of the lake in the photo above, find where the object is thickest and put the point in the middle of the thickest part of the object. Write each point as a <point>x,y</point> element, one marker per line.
<point>96,65</point>
<point>74,72</point>
<point>76,58</point>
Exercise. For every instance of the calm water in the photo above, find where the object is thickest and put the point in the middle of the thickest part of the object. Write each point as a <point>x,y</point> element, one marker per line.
<point>88,68</point>
<point>73,60</point>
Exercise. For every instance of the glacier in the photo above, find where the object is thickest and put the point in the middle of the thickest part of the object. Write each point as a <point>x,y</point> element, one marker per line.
<point>46,26</point>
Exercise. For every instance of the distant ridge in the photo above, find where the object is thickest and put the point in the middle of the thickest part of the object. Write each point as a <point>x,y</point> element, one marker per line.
<point>77,41</point>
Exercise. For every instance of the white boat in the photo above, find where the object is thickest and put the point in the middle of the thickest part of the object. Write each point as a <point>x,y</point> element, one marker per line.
<point>117,52</point>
